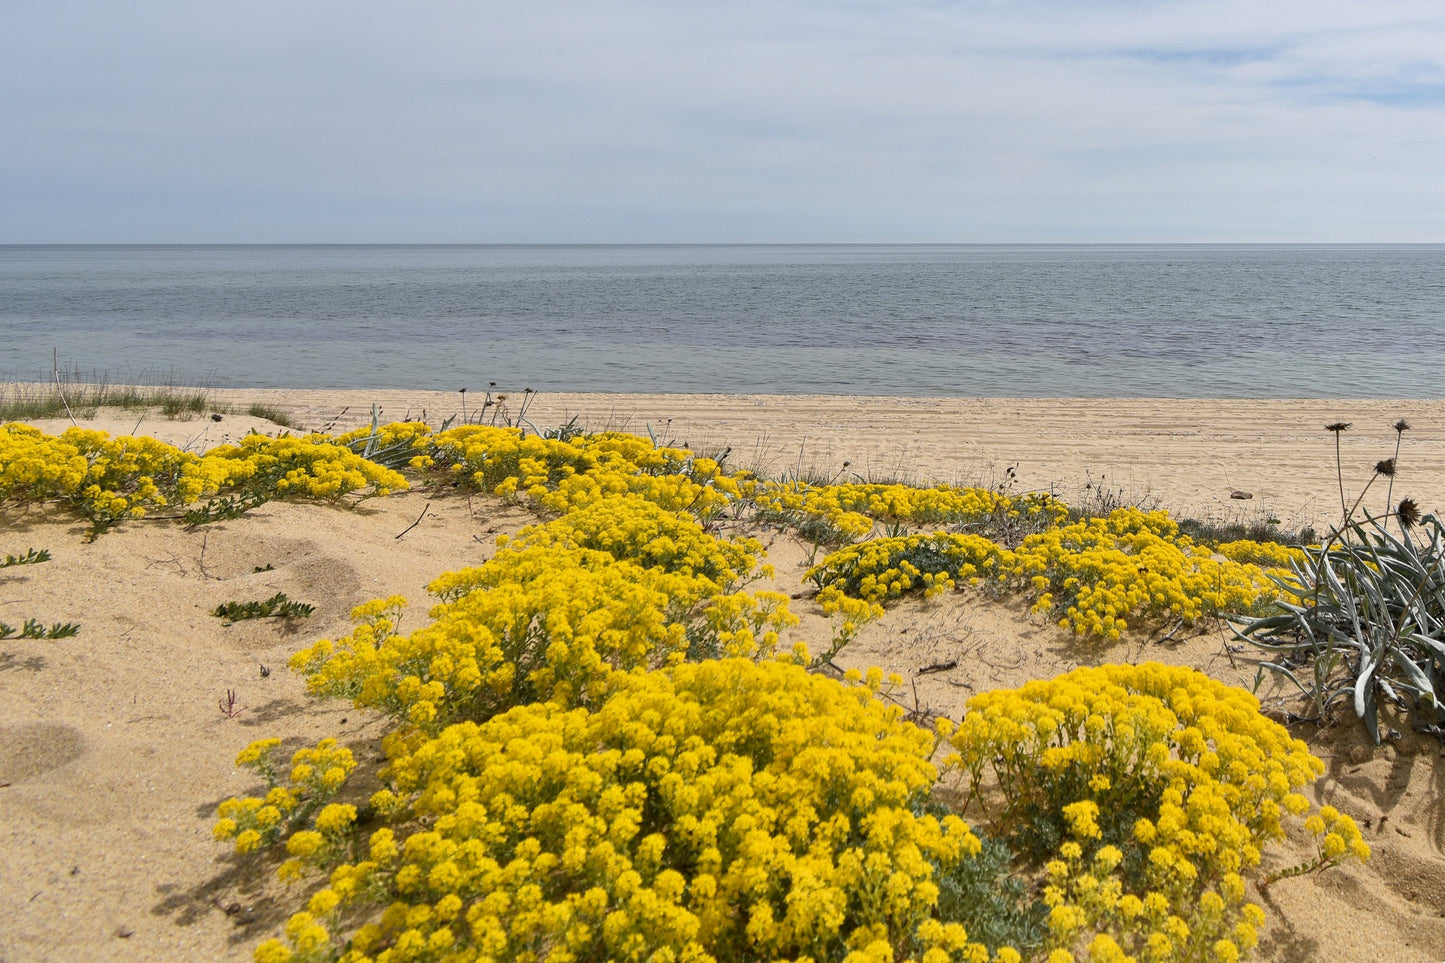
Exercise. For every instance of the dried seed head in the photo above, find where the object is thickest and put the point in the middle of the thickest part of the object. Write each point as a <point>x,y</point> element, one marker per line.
<point>1337,426</point>
<point>1386,468</point>
<point>1402,426</point>
<point>1408,512</point>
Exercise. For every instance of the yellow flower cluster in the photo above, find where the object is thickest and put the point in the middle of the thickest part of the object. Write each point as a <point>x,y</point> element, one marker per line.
<point>313,466</point>
<point>1087,902</point>
<point>613,586</point>
<point>887,568</point>
<point>110,478</point>
<point>1096,574</point>
<point>316,775</point>
<point>849,511</point>
<point>104,478</point>
<point>1337,836</point>
<point>723,810</point>
<point>1268,554</point>
<point>1172,781</point>
<point>1337,839</point>
<point>1100,572</point>
<point>557,475</point>
<point>514,637</point>
<point>633,528</point>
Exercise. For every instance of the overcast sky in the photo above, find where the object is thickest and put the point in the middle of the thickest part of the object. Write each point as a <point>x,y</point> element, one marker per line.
<point>784,120</point>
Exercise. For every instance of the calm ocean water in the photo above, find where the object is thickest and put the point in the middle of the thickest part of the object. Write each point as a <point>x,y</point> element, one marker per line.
<point>1096,320</point>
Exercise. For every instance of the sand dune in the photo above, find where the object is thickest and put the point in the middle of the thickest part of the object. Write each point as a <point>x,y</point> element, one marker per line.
<point>114,751</point>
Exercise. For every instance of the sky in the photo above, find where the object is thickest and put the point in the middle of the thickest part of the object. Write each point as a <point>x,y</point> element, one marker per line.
<point>622,121</point>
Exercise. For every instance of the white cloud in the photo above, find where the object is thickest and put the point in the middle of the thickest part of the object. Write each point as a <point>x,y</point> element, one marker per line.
<point>568,120</point>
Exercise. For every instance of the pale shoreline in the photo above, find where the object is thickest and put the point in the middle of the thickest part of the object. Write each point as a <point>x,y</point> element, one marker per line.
<point>1187,455</point>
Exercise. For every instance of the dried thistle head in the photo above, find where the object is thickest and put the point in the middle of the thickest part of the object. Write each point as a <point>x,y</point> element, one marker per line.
<point>1408,512</point>
<point>1337,426</point>
<point>1386,468</point>
<point>1402,426</point>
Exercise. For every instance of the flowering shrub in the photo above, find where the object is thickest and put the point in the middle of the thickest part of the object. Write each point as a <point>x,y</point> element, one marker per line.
<point>715,811</point>
<point>103,478</point>
<point>36,466</point>
<point>550,617</point>
<point>511,639</point>
<point>1153,788</point>
<point>1268,554</point>
<point>613,585</point>
<point>850,511</point>
<point>1100,572</point>
<point>845,513</point>
<point>556,475</point>
<point>107,478</point>
<point>1095,575</point>
<point>312,466</point>
<point>886,568</point>
<point>316,775</point>
<point>745,624</point>
<point>633,528</point>
<point>570,782</point>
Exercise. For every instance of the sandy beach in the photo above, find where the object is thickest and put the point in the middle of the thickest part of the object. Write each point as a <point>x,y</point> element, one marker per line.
<point>114,752</point>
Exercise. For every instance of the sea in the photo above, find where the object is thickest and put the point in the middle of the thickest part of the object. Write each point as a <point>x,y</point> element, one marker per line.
<point>1172,321</point>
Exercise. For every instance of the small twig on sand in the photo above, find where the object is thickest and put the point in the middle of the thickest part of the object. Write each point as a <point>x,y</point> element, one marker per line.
<point>415,523</point>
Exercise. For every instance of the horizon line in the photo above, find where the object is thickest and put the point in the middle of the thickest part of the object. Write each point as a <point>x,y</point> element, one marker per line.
<point>583,244</point>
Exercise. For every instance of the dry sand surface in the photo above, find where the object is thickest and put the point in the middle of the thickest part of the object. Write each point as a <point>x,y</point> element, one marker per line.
<point>114,753</point>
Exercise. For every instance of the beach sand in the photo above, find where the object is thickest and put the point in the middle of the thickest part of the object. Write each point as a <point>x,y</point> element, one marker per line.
<point>114,752</point>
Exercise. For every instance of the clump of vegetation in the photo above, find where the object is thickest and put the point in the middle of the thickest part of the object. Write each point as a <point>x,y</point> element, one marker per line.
<point>72,396</point>
<point>31,557</point>
<point>1094,576</point>
<point>277,606</point>
<point>884,569</point>
<point>35,629</point>
<point>1147,794</point>
<point>605,746</point>
<point>316,775</point>
<point>1260,529</point>
<point>1367,615</point>
<point>271,413</point>
<point>827,513</point>
<point>107,479</point>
